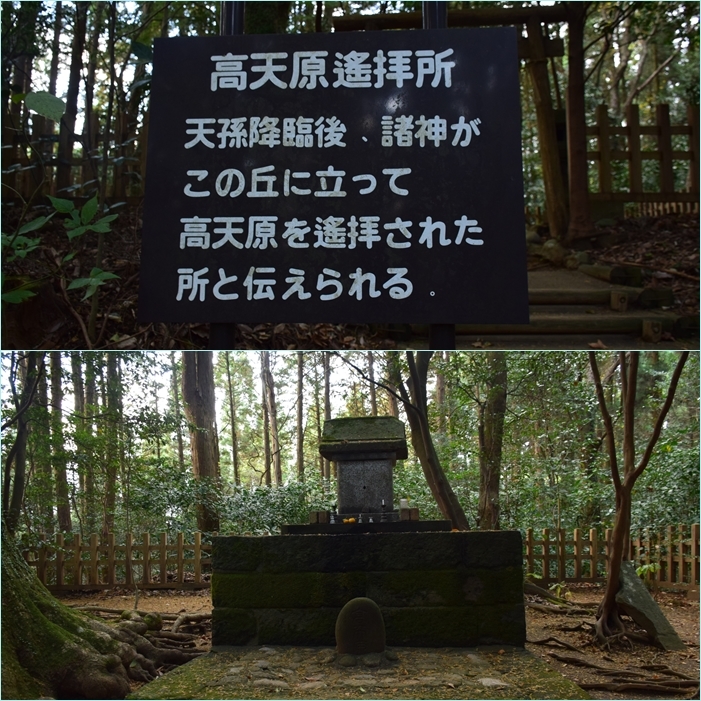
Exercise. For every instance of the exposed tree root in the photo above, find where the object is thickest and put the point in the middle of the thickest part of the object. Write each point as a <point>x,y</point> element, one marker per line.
<point>189,618</point>
<point>667,687</point>
<point>561,610</point>
<point>556,641</point>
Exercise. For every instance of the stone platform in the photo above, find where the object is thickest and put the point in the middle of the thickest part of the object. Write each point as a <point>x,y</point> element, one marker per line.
<point>434,589</point>
<point>314,673</point>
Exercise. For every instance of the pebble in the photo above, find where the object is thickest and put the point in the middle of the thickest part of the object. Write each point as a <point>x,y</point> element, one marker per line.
<point>271,683</point>
<point>490,681</point>
<point>263,664</point>
<point>347,661</point>
<point>371,660</point>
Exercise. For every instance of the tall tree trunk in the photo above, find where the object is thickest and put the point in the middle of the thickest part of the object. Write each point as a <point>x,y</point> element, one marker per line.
<point>371,375</point>
<point>66,133</point>
<point>608,618</point>
<point>53,69</point>
<point>40,437</point>
<point>234,427</point>
<point>327,408</point>
<point>176,408</point>
<point>199,405</point>
<point>491,433</point>
<point>269,387</point>
<point>112,456</point>
<point>266,441</point>
<point>300,416</point>
<point>90,123</point>
<point>317,413</point>
<point>414,401</point>
<point>17,456</point>
<point>63,506</point>
<point>90,411</point>
<point>79,412</point>
<point>580,223</point>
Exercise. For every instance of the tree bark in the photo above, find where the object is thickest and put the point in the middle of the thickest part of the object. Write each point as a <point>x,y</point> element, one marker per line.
<point>491,434</point>
<point>40,439</point>
<point>300,416</point>
<point>414,401</point>
<point>66,133</point>
<point>608,619</point>
<point>371,375</point>
<point>232,415</point>
<point>111,458</point>
<point>199,405</point>
<point>176,408</point>
<point>580,225</point>
<point>269,395</point>
<point>91,411</point>
<point>327,408</point>
<point>79,412</point>
<point>58,450</point>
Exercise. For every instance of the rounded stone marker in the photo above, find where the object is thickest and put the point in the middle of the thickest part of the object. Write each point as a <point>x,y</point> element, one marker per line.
<point>360,628</point>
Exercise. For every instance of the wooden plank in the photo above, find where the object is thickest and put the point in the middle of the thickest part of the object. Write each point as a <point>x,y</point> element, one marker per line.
<point>129,574</point>
<point>681,559</point>
<point>111,573</point>
<point>77,560</point>
<point>594,553</point>
<point>669,560</point>
<point>635,169</point>
<point>694,569</point>
<point>546,554</point>
<point>146,550</point>
<point>604,140</point>
<point>92,576</point>
<point>692,116</point>
<point>664,145</point>
<point>529,551</point>
<point>60,558</point>
<point>197,555</point>
<point>163,567</point>
<point>179,556</point>
<point>561,554</point>
<point>577,554</point>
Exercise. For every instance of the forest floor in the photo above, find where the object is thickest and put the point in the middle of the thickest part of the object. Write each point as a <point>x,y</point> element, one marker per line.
<point>682,613</point>
<point>666,247</point>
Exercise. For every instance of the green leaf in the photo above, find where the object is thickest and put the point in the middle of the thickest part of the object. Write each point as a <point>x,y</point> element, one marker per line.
<point>34,224</point>
<point>69,257</point>
<point>141,51</point>
<point>102,275</point>
<point>89,210</point>
<point>17,296</point>
<point>24,246</point>
<point>77,231</point>
<point>18,97</point>
<point>62,206</point>
<point>80,282</point>
<point>46,104</point>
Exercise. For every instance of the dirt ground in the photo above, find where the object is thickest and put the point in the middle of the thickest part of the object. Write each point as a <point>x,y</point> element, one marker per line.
<point>666,248</point>
<point>683,614</point>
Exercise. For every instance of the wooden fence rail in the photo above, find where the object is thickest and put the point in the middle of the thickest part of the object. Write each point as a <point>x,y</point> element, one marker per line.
<point>609,140</point>
<point>178,565</point>
<point>145,564</point>
<point>584,558</point>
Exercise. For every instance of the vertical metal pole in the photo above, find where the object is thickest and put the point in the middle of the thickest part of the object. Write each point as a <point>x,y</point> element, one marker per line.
<point>435,16</point>
<point>222,336</point>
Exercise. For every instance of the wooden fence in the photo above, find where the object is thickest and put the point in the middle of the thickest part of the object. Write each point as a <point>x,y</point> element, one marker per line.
<point>146,565</point>
<point>179,565</point>
<point>557,558</point>
<point>663,197</point>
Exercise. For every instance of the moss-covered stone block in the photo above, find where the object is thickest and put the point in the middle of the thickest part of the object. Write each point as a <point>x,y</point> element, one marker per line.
<point>369,434</point>
<point>287,589</point>
<point>457,587</point>
<point>297,626</point>
<point>455,626</point>
<point>367,552</point>
<point>233,626</point>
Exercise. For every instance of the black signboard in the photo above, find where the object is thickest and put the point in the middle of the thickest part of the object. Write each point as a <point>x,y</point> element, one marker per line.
<point>366,177</point>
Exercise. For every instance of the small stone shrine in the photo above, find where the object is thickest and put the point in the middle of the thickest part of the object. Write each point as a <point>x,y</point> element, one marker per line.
<point>433,587</point>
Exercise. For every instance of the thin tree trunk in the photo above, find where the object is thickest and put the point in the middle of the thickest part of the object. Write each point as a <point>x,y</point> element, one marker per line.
<point>66,133</point>
<point>58,449</point>
<point>18,453</point>
<point>90,125</point>
<point>199,405</point>
<point>178,414</point>
<point>91,411</point>
<point>300,416</point>
<point>327,408</point>
<point>269,387</point>
<point>111,461</point>
<point>40,437</point>
<point>491,433</point>
<point>371,375</point>
<point>232,414</point>
<point>317,412</point>
<point>79,412</point>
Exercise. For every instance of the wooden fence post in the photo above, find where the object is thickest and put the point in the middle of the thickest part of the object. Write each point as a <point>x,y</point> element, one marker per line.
<point>60,559</point>
<point>146,549</point>
<point>77,560</point>
<point>664,144</point>
<point>604,138</point>
<point>163,565</point>
<point>546,554</point>
<point>128,564</point>
<point>682,559</point>
<point>594,553</point>
<point>529,551</point>
<point>93,559</point>
<point>694,569</point>
<point>577,554</point>
<point>111,578</point>
<point>561,554</point>
<point>198,556</point>
<point>179,558</point>
<point>670,556</point>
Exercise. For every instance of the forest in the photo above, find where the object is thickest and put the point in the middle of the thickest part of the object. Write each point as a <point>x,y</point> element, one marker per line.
<point>76,82</point>
<point>228,441</point>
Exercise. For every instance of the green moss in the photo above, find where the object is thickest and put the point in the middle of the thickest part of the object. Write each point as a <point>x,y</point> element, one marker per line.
<point>286,590</point>
<point>233,626</point>
<point>363,428</point>
<point>297,626</point>
<point>449,626</point>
